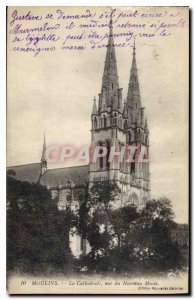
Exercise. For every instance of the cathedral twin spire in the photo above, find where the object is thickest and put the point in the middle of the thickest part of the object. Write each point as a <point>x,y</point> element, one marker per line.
<point>111,94</point>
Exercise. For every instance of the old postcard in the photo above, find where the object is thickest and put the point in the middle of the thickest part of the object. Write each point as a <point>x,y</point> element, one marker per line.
<point>97,150</point>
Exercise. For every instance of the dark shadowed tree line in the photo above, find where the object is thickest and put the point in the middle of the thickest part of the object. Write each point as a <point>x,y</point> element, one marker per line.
<point>125,239</point>
<point>37,232</point>
<point>122,239</point>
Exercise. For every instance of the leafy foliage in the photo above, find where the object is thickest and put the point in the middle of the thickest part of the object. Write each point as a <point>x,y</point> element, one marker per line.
<point>124,239</point>
<point>37,232</point>
<point>153,247</point>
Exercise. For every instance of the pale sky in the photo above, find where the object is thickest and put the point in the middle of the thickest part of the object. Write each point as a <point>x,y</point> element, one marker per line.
<point>54,93</point>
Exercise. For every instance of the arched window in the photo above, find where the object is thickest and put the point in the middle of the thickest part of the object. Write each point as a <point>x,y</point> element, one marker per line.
<point>101,159</point>
<point>108,154</point>
<point>133,167</point>
<point>65,200</point>
<point>129,136</point>
<point>95,122</point>
<point>125,125</point>
<point>121,163</point>
<point>146,139</point>
<point>120,121</point>
<point>115,118</point>
<point>104,122</point>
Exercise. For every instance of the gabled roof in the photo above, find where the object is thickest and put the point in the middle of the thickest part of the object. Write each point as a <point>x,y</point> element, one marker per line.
<point>63,176</point>
<point>29,172</point>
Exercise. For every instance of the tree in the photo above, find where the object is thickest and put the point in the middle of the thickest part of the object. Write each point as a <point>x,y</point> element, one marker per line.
<point>94,223</point>
<point>153,248</point>
<point>121,220</point>
<point>106,224</point>
<point>37,232</point>
<point>126,239</point>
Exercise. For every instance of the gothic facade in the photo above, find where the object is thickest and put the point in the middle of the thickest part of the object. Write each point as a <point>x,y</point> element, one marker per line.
<point>121,123</point>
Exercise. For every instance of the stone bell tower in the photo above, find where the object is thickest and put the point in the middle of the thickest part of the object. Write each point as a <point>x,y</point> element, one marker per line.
<point>107,118</point>
<point>120,123</point>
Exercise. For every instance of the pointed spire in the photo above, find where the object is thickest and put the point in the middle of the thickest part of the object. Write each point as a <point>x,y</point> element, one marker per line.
<point>43,158</point>
<point>133,95</point>
<point>94,112</point>
<point>146,126</point>
<point>134,53</point>
<point>110,81</point>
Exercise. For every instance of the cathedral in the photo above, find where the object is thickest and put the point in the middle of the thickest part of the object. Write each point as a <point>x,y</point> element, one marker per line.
<point>114,122</point>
